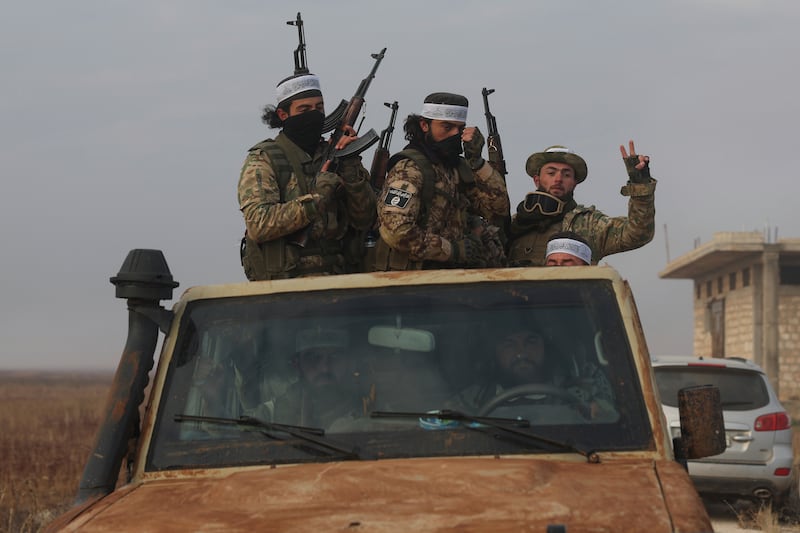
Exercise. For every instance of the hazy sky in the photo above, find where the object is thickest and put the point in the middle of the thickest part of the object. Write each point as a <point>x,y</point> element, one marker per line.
<point>124,125</point>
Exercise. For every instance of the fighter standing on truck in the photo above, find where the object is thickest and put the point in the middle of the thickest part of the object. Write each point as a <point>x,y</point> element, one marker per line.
<point>438,209</point>
<point>556,171</point>
<point>303,215</point>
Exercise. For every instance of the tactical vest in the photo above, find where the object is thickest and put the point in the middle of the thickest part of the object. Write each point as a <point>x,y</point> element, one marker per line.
<point>533,244</point>
<point>387,258</point>
<point>278,259</point>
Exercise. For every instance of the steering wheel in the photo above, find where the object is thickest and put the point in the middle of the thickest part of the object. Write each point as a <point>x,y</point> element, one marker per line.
<point>530,389</point>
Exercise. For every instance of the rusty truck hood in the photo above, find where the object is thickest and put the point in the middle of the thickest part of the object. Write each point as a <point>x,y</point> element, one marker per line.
<point>464,494</point>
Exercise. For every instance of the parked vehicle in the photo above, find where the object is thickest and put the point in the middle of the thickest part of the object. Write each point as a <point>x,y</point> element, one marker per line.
<point>757,462</point>
<point>234,437</point>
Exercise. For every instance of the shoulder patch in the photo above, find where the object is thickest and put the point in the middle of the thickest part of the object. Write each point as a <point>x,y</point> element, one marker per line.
<point>397,197</point>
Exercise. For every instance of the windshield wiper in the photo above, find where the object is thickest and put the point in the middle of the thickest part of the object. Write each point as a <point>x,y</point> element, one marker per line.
<point>306,434</point>
<point>508,425</point>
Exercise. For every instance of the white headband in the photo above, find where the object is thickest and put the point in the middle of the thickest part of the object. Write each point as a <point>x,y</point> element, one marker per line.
<point>571,247</point>
<point>297,85</point>
<point>456,113</point>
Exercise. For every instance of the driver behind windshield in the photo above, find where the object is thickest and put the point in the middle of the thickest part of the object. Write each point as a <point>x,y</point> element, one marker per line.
<point>327,386</point>
<point>522,356</point>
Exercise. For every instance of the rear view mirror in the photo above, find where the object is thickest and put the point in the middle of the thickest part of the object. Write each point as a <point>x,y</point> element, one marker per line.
<point>413,340</point>
<point>702,425</point>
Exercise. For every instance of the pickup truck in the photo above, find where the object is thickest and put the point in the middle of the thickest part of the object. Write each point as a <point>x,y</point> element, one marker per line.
<point>374,402</point>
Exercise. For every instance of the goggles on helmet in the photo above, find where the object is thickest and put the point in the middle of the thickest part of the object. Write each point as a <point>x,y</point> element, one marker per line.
<point>545,203</point>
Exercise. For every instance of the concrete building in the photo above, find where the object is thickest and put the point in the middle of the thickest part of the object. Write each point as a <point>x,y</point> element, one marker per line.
<point>747,303</point>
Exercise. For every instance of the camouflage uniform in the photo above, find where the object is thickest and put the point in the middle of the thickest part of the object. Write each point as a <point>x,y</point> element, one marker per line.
<point>605,235</point>
<point>459,194</point>
<point>273,213</point>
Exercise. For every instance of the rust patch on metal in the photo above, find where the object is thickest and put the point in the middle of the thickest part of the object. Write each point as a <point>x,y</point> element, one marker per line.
<point>464,494</point>
<point>702,434</point>
<point>685,506</point>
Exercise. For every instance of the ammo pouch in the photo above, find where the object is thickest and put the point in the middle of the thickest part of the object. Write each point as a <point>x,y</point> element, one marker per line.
<point>269,260</point>
<point>387,258</point>
<point>280,260</point>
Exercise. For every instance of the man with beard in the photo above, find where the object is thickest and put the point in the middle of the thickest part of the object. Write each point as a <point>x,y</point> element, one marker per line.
<point>438,209</point>
<point>327,387</point>
<point>285,192</point>
<point>522,357</point>
<point>551,208</point>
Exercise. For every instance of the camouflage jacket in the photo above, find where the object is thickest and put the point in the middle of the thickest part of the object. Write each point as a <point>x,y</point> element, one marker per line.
<point>270,213</point>
<point>605,235</point>
<point>400,206</point>
<point>277,200</point>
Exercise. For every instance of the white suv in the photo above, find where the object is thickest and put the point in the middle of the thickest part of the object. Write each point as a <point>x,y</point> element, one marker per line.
<point>757,464</point>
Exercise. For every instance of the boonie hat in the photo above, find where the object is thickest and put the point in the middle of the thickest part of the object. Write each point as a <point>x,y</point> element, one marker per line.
<point>557,154</point>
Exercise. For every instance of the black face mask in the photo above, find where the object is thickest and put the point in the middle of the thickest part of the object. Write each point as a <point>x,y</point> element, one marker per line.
<point>447,150</point>
<point>305,130</point>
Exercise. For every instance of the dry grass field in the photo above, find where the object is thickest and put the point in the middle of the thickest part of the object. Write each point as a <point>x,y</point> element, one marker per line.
<point>47,427</point>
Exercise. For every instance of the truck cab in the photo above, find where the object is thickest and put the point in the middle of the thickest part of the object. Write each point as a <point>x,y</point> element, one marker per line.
<point>387,402</point>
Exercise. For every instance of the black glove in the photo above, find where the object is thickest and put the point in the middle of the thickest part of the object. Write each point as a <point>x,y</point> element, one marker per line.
<point>634,174</point>
<point>474,149</point>
<point>469,251</point>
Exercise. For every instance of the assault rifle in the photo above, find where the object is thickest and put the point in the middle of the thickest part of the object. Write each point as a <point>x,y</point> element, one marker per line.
<point>380,161</point>
<point>493,144</point>
<point>301,67</point>
<point>349,117</point>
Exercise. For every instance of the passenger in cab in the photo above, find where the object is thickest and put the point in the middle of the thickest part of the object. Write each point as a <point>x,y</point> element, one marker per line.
<point>326,389</point>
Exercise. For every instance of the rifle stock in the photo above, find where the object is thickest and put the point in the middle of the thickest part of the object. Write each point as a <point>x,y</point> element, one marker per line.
<point>493,144</point>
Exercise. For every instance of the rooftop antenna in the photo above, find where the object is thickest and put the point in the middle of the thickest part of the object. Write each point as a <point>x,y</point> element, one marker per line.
<point>666,241</point>
<point>300,65</point>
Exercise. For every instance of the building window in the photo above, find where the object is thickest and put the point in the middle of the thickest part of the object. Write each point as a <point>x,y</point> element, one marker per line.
<point>698,289</point>
<point>790,275</point>
<point>719,285</point>
<point>732,281</point>
<point>708,289</point>
<point>745,277</point>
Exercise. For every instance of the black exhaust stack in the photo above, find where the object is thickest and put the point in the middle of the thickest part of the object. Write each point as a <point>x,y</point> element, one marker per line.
<point>144,280</point>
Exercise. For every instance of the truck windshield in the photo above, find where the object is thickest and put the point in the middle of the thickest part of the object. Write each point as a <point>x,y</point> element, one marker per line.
<point>337,363</point>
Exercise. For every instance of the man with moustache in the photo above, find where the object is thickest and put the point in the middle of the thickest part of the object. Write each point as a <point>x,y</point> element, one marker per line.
<point>551,208</point>
<point>522,356</point>
<point>326,390</point>
<point>438,209</point>
<point>284,191</point>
